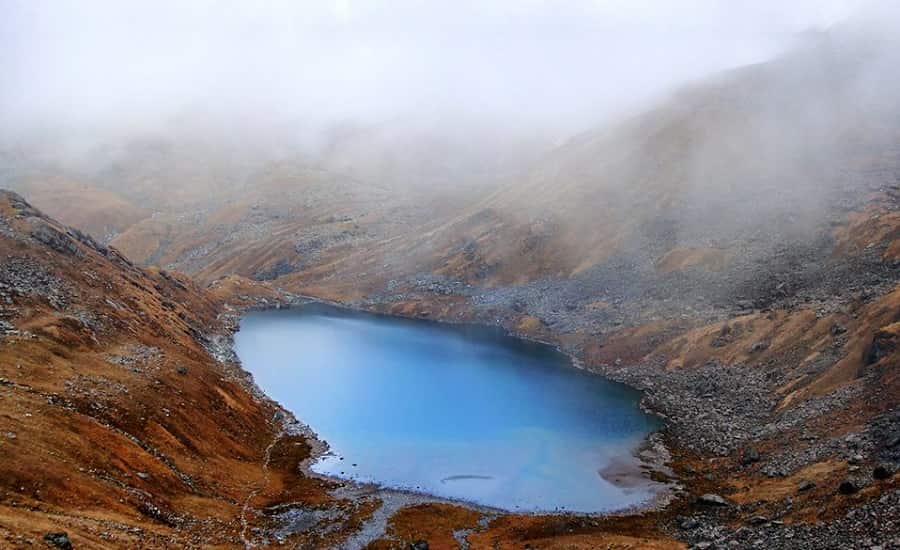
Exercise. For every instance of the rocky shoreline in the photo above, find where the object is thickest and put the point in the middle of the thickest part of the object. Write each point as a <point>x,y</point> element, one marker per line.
<point>652,454</point>
<point>716,415</point>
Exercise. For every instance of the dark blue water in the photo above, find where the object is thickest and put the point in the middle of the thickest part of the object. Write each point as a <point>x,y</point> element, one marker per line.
<point>464,413</point>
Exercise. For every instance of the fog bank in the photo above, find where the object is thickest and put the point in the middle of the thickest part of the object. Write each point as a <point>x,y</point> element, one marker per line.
<point>562,65</point>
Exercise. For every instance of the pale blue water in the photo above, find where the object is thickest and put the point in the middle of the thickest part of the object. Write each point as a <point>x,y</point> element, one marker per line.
<point>459,412</point>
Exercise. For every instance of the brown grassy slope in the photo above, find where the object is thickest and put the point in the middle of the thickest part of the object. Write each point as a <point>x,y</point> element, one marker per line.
<point>439,524</point>
<point>796,341</point>
<point>118,427</point>
<point>100,212</point>
<point>723,171</point>
<point>289,218</point>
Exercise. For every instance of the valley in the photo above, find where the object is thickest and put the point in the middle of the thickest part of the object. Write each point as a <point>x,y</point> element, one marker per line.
<point>731,253</point>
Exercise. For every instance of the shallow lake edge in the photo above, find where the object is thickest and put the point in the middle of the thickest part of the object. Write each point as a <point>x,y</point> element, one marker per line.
<point>651,455</point>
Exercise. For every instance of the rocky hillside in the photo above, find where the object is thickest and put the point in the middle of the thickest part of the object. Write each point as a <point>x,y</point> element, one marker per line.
<point>120,424</point>
<point>101,213</point>
<point>724,177</point>
<point>733,252</point>
<point>215,197</point>
<point>125,423</point>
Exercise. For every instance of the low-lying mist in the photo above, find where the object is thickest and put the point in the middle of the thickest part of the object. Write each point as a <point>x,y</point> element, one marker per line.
<point>500,141</point>
<point>470,81</point>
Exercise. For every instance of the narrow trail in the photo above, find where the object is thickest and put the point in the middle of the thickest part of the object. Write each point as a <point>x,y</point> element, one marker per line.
<point>245,525</point>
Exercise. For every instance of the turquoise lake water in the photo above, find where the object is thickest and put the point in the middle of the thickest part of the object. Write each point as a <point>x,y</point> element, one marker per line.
<point>459,412</point>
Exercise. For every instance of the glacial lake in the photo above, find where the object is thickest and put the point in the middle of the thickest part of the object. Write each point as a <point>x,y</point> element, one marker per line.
<point>460,412</point>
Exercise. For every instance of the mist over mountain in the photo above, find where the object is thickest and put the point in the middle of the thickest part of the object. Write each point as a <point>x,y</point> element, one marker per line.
<point>700,200</point>
<point>128,65</point>
<point>234,103</point>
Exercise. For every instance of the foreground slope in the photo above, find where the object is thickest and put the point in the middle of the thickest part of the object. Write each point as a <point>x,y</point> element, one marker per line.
<point>119,427</point>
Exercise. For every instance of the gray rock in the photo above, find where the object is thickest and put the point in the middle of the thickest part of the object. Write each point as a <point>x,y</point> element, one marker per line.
<point>884,470</point>
<point>750,456</point>
<point>850,486</point>
<point>50,236</point>
<point>59,540</point>
<point>806,485</point>
<point>712,499</point>
<point>758,347</point>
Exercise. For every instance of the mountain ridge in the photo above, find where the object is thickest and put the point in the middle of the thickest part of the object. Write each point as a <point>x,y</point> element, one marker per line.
<point>732,252</point>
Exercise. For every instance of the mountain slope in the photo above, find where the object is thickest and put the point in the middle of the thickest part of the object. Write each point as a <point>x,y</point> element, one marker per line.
<point>119,427</point>
<point>734,253</point>
<point>98,212</point>
<point>727,169</point>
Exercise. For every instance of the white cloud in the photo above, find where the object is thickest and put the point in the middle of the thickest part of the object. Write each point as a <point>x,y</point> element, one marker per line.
<point>96,60</point>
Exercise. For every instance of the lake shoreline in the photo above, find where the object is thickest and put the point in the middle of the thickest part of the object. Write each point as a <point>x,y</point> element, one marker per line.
<point>651,454</point>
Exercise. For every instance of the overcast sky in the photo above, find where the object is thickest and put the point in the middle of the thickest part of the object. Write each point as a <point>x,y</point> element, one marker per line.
<point>118,60</point>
